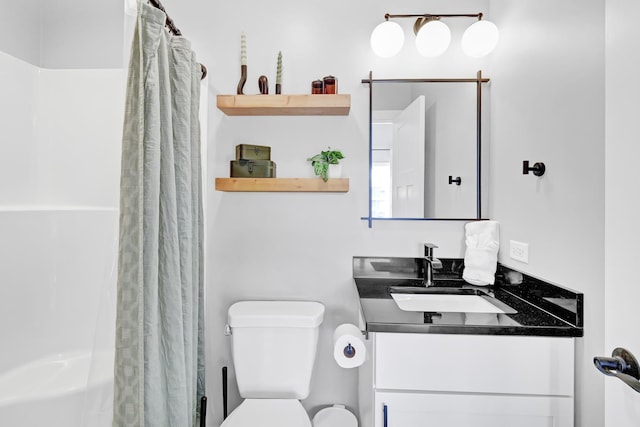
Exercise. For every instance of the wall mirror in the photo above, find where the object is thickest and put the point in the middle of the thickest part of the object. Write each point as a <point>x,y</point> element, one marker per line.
<point>427,148</point>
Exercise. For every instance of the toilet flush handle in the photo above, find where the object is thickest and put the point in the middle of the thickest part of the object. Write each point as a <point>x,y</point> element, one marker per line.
<point>227,330</point>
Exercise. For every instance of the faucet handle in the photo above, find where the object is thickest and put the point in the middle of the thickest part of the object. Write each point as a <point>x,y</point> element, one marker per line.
<point>428,249</point>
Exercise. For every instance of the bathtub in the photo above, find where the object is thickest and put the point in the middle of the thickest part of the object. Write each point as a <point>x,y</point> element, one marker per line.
<point>57,316</point>
<point>64,390</point>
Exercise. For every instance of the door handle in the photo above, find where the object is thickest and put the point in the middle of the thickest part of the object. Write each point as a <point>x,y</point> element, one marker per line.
<point>622,365</point>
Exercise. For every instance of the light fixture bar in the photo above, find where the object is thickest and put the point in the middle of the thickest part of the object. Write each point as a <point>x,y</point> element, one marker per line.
<point>434,15</point>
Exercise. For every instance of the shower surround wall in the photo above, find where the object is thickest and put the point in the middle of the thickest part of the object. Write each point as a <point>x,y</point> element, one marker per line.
<point>59,180</point>
<point>62,131</point>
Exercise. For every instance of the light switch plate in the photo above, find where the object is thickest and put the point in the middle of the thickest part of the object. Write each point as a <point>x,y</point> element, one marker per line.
<point>519,251</point>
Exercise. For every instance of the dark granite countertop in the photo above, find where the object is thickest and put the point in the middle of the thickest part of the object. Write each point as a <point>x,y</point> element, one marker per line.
<point>538,308</point>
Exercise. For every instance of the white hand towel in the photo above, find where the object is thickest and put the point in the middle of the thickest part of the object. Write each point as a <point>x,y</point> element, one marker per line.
<point>481,256</point>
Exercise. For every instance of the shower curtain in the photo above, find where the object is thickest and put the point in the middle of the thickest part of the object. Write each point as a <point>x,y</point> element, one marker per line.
<point>159,362</point>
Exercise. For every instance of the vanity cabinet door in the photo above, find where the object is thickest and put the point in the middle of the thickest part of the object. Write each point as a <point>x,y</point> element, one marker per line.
<point>410,409</point>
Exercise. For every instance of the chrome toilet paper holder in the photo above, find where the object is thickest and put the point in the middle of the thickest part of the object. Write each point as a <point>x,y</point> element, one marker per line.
<point>622,365</point>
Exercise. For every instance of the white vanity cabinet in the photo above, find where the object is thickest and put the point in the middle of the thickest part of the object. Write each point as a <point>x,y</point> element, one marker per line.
<point>413,380</point>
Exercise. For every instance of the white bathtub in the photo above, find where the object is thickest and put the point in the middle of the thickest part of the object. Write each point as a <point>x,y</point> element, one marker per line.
<point>65,390</point>
<point>57,308</point>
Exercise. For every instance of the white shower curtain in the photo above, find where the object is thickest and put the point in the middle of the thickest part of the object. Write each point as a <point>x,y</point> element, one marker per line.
<point>159,363</point>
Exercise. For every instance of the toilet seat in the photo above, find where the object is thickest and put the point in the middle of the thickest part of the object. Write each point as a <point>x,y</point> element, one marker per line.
<point>268,413</point>
<point>335,416</point>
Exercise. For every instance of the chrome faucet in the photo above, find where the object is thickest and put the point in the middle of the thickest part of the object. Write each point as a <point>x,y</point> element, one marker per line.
<point>430,263</point>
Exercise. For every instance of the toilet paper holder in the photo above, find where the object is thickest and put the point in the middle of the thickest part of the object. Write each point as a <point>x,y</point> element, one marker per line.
<point>622,365</point>
<point>349,351</point>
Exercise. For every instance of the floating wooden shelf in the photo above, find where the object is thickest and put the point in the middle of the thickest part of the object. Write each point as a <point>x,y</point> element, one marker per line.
<point>284,105</point>
<point>334,185</point>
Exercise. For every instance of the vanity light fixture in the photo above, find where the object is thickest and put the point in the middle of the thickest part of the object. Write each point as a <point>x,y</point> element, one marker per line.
<point>387,39</point>
<point>433,36</point>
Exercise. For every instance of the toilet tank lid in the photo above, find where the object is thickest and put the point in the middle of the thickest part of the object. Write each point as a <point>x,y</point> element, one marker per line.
<point>269,314</point>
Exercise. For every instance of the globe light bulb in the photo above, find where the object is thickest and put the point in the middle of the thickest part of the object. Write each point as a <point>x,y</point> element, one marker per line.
<point>387,39</point>
<point>480,39</point>
<point>433,39</point>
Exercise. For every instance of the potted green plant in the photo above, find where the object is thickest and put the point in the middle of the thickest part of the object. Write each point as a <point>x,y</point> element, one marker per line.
<point>323,160</point>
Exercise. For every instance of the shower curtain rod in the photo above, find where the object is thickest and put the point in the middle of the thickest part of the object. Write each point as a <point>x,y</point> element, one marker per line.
<point>172,27</point>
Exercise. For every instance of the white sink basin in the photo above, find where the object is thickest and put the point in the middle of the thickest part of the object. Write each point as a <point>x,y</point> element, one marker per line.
<point>445,303</point>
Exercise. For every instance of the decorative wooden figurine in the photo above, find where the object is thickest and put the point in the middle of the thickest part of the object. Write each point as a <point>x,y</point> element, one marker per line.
<point>263,85</point>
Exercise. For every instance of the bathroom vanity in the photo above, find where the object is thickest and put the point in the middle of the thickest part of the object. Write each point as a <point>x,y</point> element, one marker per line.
<point>508,363</point>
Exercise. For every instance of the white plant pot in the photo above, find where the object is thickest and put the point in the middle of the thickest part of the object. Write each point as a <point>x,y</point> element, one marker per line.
<point>335,171</point>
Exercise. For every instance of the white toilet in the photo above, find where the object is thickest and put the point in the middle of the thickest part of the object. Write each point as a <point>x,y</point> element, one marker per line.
<point>273,346</point>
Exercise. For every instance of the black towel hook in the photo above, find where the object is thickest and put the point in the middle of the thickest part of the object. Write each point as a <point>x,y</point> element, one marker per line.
<point>538,168</point>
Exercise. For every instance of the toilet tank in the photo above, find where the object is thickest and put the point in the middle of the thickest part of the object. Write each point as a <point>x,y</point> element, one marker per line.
<point>273,344</point>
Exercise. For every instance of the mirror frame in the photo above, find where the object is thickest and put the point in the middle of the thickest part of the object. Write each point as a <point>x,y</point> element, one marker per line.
<point>478,80</point>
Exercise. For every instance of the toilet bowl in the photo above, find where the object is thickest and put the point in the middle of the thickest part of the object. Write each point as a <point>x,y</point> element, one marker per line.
<point>269,413</point>
<point>287,413</point>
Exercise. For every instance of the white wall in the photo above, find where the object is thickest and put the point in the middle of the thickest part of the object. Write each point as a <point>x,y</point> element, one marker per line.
<point>63,33</point>
<point>59,178</point>
<point>455,150</point>
<point>81,34</point>
<point>622,317</point>
<point>547,97</point>
<point>20,29</point>
<point>62,131</point>
<point>18,112</point>
<point>79,134</point>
